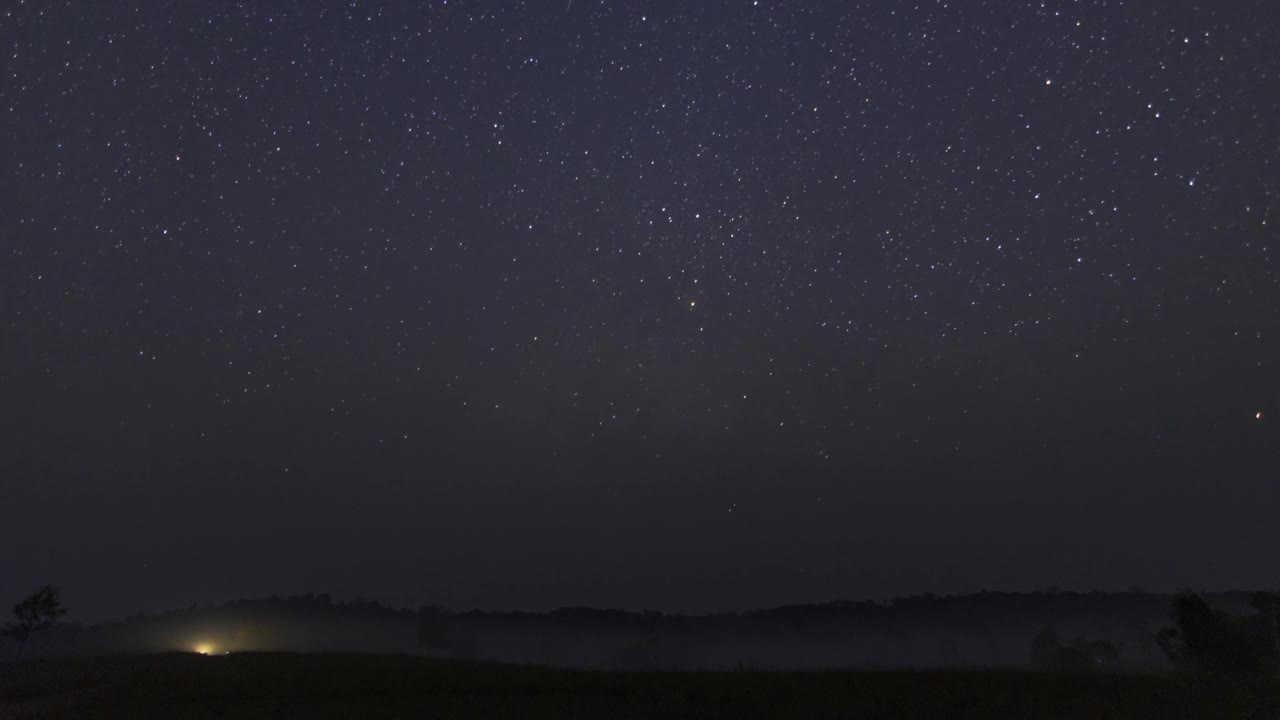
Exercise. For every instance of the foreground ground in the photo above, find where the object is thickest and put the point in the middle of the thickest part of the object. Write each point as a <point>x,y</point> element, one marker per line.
<point>340,686</point>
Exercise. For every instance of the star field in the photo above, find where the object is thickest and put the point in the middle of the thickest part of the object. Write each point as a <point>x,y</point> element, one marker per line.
<point>690,305</point>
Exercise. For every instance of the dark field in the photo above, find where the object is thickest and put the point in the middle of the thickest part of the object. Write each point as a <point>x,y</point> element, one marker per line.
<point>283,685</point>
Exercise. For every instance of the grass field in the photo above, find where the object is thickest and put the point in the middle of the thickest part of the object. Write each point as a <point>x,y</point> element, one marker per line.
<point>269,685</point>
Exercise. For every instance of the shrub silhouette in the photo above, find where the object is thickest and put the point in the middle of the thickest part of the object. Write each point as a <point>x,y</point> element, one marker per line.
<point>1045,647</point>
<point>1048,653</point>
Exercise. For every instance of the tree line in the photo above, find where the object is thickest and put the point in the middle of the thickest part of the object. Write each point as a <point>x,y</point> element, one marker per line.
<point>1202,638</point>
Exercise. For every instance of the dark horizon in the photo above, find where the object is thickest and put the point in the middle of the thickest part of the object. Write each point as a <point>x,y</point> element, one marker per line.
<point>1215,596</point>
<point>1119,631</point>
<point>743,304</point>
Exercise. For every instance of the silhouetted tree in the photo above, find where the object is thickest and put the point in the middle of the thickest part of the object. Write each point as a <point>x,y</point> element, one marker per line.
<point>39,610</point>
<point>433,632</point>
<point>1170,643</point>
<point>1200,629</point>
<point>1267,604</point>
<point>1206,639</point>
<point>1044,648</point>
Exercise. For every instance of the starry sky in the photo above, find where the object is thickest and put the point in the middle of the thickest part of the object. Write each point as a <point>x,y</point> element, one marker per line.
<point>688,306</point>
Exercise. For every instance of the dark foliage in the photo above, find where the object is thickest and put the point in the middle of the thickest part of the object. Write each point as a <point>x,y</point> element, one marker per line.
<point>980,630</point>
<point>1048,653</point>
<point>1213,640</point>
<point>39,610</point>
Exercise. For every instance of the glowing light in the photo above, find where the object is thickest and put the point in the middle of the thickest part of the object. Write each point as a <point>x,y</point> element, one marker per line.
<point>204,648</point>
<point>1257,416</point>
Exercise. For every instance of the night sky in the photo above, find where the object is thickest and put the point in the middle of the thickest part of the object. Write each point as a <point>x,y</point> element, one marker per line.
<point>681,305</point>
